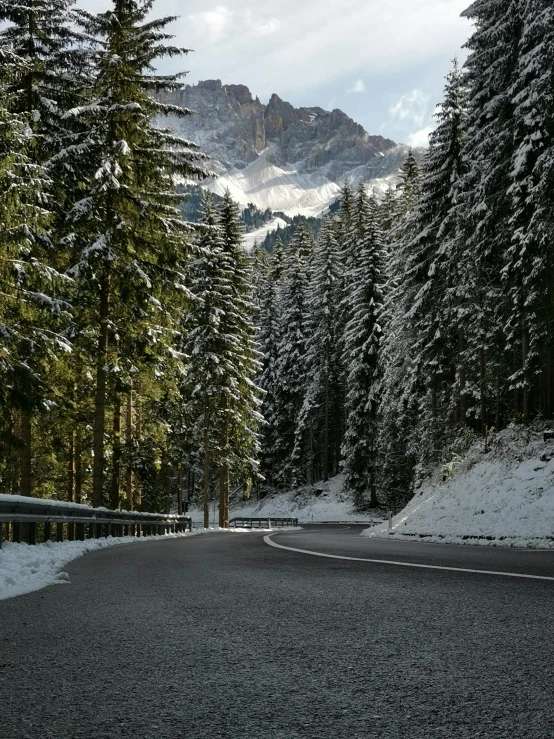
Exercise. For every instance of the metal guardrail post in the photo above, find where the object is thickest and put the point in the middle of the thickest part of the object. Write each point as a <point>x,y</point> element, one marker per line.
<point>33,519</point>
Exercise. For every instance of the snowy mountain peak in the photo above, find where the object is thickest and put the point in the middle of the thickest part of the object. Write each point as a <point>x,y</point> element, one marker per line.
<point>289,159</point>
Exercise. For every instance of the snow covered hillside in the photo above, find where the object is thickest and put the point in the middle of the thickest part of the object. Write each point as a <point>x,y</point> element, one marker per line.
<point>503,497</point>
<point>286,189</point>
<point>326,501</point>
<point>257,236</point>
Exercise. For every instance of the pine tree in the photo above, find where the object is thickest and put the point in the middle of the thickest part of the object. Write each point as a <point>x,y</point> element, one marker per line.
<point>483,230</point>
<point>362,345</point>
<point>431,277</point>
<point>317,442</point>
<point>240,416</point>
<point>268,337</point>
<point>32,315</point>
<point>529,265</point>
<point>129,241</point>
<point>211,284</point>
<point>223,361</point>
<point>290,362</point>
<point>398,392</point>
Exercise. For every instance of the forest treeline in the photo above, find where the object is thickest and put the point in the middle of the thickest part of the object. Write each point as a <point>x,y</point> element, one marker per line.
<point>127,355</point>
<point>417,323</point>
<point>144,357</point>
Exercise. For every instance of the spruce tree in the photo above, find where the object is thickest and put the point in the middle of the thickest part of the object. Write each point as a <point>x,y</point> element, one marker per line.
<point>529,260</point>
<point>32,313</point>
<point>398,392</point>
<point>317,438</point>
<point>483,228</point>
<point>240,406</point>
<point>432,277</point>
<point>268,339</point>
<point>129,241</point>
<point>362,347</point>
<point>290,365</point>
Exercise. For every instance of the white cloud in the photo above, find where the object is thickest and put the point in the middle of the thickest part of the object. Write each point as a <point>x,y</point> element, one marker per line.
<point>421,137</point>
<point>213,23</point>
<point>364,40</point>
<point>266,28</point>
<point>413,106</point>
<point>313,50</point>
<point>357,87</point>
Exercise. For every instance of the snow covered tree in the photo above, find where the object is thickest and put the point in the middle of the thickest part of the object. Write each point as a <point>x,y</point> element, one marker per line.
<point>223,361</point>
<point>56,63</point>
<point>530,256</point>
<point>362,345</point>
<point>290,364</point>
<point>317,442</point>
<point>129,242</point>
<point>210,283</point>
<point>398,393</point>
<point>268,339</point>
<point>432,277</point>
<point>240,405</point>
<point>32,311</point>
<point>483,228</point>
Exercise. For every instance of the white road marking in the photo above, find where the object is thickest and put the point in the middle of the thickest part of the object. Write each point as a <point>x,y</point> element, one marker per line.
<point>268,540</point>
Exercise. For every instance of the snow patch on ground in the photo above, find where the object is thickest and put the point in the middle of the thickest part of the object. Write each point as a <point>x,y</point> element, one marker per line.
<point>25,568</point>
<point>501,498</point>
<point>325,502</point>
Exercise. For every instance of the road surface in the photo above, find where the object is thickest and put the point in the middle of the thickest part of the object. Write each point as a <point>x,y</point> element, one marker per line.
<point>224,636</point>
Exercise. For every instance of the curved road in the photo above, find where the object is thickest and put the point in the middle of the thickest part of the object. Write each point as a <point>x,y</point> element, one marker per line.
<point>224,636</point>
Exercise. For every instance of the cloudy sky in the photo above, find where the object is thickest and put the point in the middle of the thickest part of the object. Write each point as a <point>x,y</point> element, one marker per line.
<point>381,61</point>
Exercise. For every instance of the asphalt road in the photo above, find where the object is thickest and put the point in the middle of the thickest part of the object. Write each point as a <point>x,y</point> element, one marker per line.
<point>225,636</point>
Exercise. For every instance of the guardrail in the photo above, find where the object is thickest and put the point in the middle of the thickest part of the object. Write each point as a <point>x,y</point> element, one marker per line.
<point>263,523</point>
<point>33,520</point>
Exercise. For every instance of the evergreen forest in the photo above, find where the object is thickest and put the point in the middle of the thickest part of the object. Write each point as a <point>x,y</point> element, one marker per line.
<point>146,357</point>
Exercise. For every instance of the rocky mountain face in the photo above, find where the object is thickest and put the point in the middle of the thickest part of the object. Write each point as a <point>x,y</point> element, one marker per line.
<point>299,148</point>
<point>235,128</point>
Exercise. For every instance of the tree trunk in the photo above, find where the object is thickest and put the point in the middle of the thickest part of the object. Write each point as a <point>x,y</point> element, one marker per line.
<point>78,469</point>
<point>129,440</point>
<point>180,489</point>
<point>116,457</point>
<point>26,454</point>
<point>206,468</point>
<point>482,388</point>
<point>100,397</point>
<point>461,375</point>
<point>326,432</point>
<point>524,356</point>
<point>71,469</point>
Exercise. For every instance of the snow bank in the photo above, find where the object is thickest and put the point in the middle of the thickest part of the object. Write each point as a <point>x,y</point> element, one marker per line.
<point>325,502</point>
<point>503,497</point>
<point>25,568</point>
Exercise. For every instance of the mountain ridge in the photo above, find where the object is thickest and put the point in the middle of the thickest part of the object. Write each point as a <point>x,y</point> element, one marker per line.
<point>290,159</point>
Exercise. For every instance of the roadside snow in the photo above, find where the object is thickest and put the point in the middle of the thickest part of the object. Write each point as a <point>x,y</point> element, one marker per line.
<point>325,502</point>
<point>25,568</point>
<point>502,498</point>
